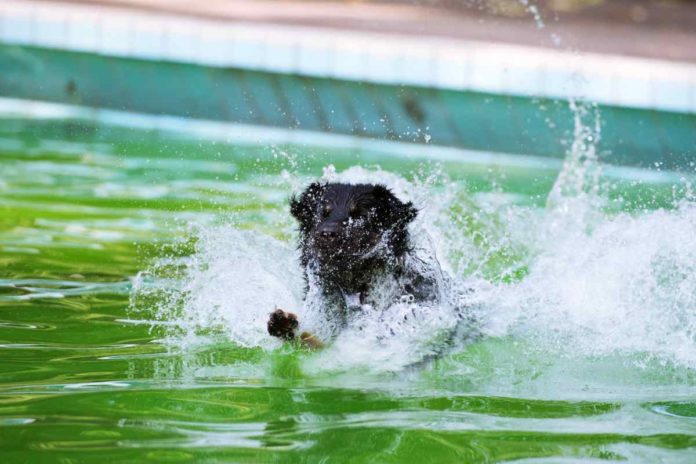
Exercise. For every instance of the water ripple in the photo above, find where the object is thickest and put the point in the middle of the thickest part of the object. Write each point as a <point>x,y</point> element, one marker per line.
<point>43,288</point>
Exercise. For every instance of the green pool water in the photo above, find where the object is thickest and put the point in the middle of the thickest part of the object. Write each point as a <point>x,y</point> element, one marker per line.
<point>120,272</point>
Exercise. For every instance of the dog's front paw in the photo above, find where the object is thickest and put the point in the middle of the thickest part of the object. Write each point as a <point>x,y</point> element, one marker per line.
<point>282,324</point>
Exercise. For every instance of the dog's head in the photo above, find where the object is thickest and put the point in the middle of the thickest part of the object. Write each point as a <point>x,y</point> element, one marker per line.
<point>341,223</point>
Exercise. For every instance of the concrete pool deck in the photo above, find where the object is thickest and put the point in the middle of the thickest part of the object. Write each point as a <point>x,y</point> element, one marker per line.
<point>648,29</point>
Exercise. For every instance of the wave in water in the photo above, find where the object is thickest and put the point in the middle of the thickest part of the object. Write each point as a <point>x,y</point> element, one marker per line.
<point>593,284</point>
<point>570,278</point>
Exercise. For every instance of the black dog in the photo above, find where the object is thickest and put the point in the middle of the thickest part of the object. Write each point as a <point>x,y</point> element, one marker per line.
<point>351,238</point>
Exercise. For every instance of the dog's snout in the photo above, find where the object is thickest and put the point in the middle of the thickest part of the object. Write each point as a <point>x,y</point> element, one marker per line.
<point>328,230</point>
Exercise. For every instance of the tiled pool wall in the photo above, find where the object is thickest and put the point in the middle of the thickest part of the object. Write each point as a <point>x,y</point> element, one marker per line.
<point>478,96</point>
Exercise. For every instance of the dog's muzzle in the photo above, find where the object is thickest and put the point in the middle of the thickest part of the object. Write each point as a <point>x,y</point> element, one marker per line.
<point>328,231</point>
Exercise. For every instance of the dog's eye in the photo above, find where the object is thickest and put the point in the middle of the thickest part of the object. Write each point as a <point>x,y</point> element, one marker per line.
<point>326,209</point>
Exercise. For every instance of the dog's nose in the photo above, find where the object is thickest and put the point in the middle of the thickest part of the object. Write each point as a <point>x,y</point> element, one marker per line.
<point>328,230</point>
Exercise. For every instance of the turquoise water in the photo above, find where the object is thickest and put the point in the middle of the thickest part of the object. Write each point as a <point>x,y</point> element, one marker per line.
<point>138,266</point>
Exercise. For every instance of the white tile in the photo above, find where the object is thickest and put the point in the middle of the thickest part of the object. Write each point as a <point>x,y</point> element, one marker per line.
<point>82,32</point>
<point>349,61</point>
<point>281,55</point>
<point>248,50</point>
<point>18,28</point>
<point>384,64</point>
<point>692,98</point>
<point>314,59</point>
<point>3,19</point>
<point>451,71</point>
<point>180,41</point>
<point>672,95</point>
<point>522,81</point>
<point>486,76</point>
<point>634,91</point>
<point>416,66</point>
<point>215,48</point>
<point>600,87</point>
<point>115,37</point>
<point>147,39</point>
<point>51,29</point>
<point>563,83</point>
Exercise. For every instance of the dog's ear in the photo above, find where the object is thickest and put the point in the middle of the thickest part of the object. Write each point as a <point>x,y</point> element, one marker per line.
<point>393,210</point>
<point>304,207</point>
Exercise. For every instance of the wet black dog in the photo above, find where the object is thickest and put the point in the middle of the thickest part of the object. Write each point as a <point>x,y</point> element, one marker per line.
<point>352,236</point>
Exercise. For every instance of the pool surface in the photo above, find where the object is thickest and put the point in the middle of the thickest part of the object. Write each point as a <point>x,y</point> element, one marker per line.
<point>137,267</point>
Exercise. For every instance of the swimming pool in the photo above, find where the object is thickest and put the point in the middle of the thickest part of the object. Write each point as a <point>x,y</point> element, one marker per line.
<point>138,264</point>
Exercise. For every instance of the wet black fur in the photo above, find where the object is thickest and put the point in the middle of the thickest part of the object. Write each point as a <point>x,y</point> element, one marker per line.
<point>350,233</point>
<point>351,237</point>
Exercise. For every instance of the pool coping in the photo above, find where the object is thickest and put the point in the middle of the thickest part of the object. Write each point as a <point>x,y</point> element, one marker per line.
<point>383,58</point>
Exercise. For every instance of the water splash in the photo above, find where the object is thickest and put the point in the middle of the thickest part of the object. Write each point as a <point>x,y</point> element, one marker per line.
<point>581,171</point>
<point>570,279</point>
<point>534,11</point>
<point>599,284</point>
<point>628,286</point>
<point>229,285</point>
<point>236,278</point>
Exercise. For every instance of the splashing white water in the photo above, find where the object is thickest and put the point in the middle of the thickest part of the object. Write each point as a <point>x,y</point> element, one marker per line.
<point>236,278</point>
<point>627,286</point>
<point>600,285</point>
<point>595,284</point>
<point>580,175</point>
<point>534,11</point>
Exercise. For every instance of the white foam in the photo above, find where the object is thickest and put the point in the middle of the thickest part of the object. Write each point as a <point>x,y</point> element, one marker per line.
<point>625,285</point>
<point>230,284</point>
<point>239,277</point>
<point>596,284</point>
<point>601,284</point>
